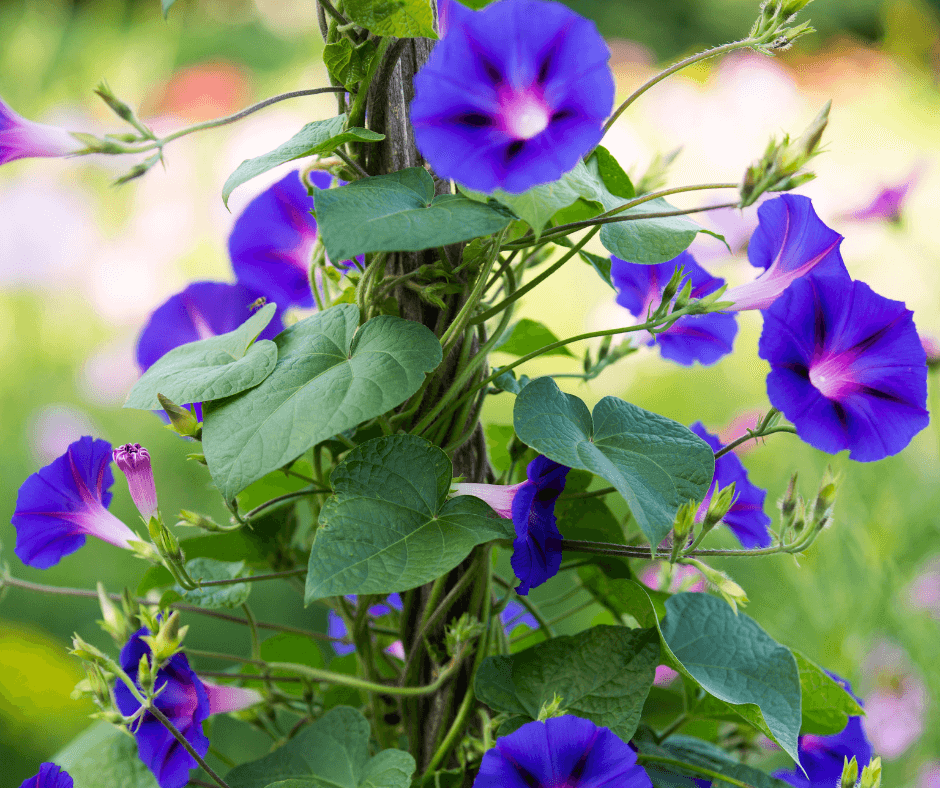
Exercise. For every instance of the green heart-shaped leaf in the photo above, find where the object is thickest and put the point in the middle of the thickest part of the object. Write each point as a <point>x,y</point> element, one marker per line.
<point>331,375</point>
<point>390,525</point>
<point>210,368</point>
<point>104,757</point>
<point>655,463</point>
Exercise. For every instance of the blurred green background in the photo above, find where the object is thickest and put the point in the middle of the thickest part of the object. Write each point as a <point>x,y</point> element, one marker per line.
<point>83,264</point>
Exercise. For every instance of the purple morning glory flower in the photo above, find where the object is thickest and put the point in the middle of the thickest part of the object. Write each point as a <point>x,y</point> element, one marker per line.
<point>61,504</point>
<point>23,139</point>
<point>746,517</point>
<point>561,752</point>
<point>224,699</point>
<point>336,627</point>
<point>846,367</point>
<point>134,462</point>
<point>889,202</point>
<point>183,700</point>
<point>824,756</point>
<point>202,310</point>
<point>513,95</point>
<point>515,615</point>
<point>790,241</point>
<point>536,550</point>
<point>702,338</point>
<point>50,776</point>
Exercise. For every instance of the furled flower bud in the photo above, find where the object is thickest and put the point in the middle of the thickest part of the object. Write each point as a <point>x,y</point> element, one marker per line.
<point>182,420</point>
<point>871,775</point>
<point>849,773</point>
<point>730,591</point>
<point>552,708</point>
<point>134,462</point>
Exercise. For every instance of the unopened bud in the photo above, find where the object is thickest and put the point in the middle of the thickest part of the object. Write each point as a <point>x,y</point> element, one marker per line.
<point>182,420</point>
<point>672,286</point>
<point>117,106</point>
<point>826,496</point>
<point>134,462</point>
<point>552,708</point>
<point>730,591</point>
<point>787,504</point>
<point>721,502</point>
<point>849,773</point>
<point>145,674</point>
<point>463,630</point>
<point>84,650</point>
<point>684,296</point>
<point>684,522</point>
<point>138,170</point>
<point>167,640</point>
<point>196,520</point>
<point>113,621</point>
<point>871,775</point>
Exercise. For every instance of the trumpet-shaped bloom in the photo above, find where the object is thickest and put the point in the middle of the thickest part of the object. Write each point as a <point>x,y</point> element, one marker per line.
<point>746,517</point>
<point>336,627</point>
<point>61,504</point>
<point>561,752</point>
<point>183,700</point>
<point>134,462</point>
<point>536,550</point>
<point>513,95</point>
<point>847,367</point>
<point>824,756</point>
<point>790,242</point>
<point>702,338</point>
<point>224,699</point>
<point>23,139</point>
<point>50,776</point>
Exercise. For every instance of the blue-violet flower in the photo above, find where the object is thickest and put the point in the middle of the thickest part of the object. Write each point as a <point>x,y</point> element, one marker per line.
<point>887,204</point>
<point>50,776</point>
<point>336,627</point>
<point>561,752</point>
<point>513,95</point>
<point>536,550</point>
<point>23,139</point>
<point>790,241</point>
<point>846,367</point>
<point>61,504</point>
<point>702,338</point>
<point>746,517</point>
<point>133,460</point>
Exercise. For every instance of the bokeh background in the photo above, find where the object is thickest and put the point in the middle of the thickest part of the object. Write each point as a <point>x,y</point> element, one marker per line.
<point>82,265</point>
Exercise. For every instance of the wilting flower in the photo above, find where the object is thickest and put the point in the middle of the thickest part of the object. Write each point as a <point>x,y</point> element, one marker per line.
<point>847,367</point>
<point>336,627</point>
<point>702,338</point>
<point>134,462</point>
<point>61,504</point>
<point>183,701</point>
<point>824,756</point>
<point>536,550</point>
<point>50,776</point>
<point>561,751</point>
<point>746,517</point>
<point>790,241</point>
<point>23,139</point>
<point>513,95</point>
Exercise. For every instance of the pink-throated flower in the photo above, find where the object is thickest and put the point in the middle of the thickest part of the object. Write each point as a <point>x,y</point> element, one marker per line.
<point>536,550</point>
<point>790,242</point>
<point>61,504</point>
<point>24,139</point>
<point>134,462</point>
<point>513,95</point>
<point>561,752</point>
<point>50,776</point>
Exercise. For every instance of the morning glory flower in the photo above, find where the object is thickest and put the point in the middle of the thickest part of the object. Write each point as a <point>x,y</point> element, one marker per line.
<point>513,95</point>
<point>182,699</point>
<point>846,367</point>
<point>23,139</point>
<point>888,203</point>
<point>536,550</point>
<point>702,338</point>
<point>50,776</point>
<point>61,504</point>
<point>134,462</point>
<point>561,752</point>
<point>336,627</point>
<point>514,615</point>
<point>824,756</point>
<point>790,241</point>
<point>746,517</point>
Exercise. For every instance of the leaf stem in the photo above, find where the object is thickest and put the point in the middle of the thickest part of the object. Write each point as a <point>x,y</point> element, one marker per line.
<point>252,578</point>
<point>745,438</point>
<point>286,497</point>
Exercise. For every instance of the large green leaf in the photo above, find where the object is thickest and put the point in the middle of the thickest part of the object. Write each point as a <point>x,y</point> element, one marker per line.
<point>333,752</point>
<point>314,139</point>
<point>104,757</point>
<point>390,526</point>
<point>211,368</point>
<point>347,62</point>
<point>735,661</point>
<point>826,705</point>
<point>655,463</point>
<point>399,213</point>
<point>527,336</point>
<point>228,595</point>
<point>399,18</point>
<point>603,674</point>
<point>330,376</point>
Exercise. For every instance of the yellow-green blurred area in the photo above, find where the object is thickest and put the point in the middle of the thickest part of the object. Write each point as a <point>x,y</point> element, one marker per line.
<point>83,264</point>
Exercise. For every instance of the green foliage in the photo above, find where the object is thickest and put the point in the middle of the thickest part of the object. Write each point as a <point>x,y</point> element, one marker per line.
<point>390,526</point>
<point>527,336</point>
<point>349,63</point>
<point>104,757</point>
<point>655,463</point>
<point>212,368</point>
<point>331,376</point>
<point>603,674</point>
<point>399,212</point>
<point>399,18</point>
<point>201,569</point>
<point>826,706</point>
<point>314,139</point>
<point>333,751</point>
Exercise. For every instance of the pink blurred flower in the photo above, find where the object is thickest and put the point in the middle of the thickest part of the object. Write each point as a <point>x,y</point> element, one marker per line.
<point>738,427</point>
<point>895,710</point>
<point>684,578</point>
<point>664,675</point>
<point>929,776</point>
<point>924,592</point>
<point>931,348</point>
<point>887,205</point>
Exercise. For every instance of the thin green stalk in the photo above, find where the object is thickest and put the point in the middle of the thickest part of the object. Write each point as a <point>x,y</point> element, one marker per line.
<point>357,112</point>
<point>195,652</point>
<point>253,578</point>
<point>253,629</point>
<point>221,674</point>
<point>466,311</point>
<point>676,724</point>
<point>286,497</point>
<point>628,551</point>
<point>587,493</point>
<point>745,438</point>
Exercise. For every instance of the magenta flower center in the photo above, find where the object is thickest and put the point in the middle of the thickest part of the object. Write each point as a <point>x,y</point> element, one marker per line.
<point>832,376</point>
<point>525,114</point>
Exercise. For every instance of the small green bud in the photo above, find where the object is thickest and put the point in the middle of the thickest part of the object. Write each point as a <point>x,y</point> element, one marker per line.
<point>849,773</point>
<point>791,7</point>
<point>826,496</point>
<point>871,775</point>
<point>182,420</point>
<point>168,638</point>
<point>684,296</point>
<point>138,170</point>
<point>145,675</point>
<point>200,458</point>
<point>84,650</point>
<point>685,521</point>
<point>721,502</point>
<point>787,504</point>
<point>552,708</point>
<point>730,591</point>
<point>117,106</point>
<point>671,288</point>
<point>463,630</point>
<point>113,621</point>
<point>196,520</point>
